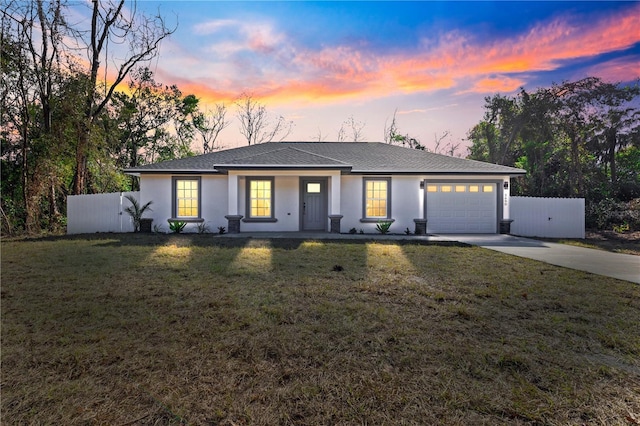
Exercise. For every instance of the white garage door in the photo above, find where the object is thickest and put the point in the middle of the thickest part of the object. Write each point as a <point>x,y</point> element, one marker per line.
<point>461,208</point>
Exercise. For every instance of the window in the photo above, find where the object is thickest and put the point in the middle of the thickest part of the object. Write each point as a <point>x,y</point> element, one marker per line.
<point>260,198</point>
<point>474,188</point>
<point>432,188</point>
<point>313,188</point>
<point>461,188</point>
<point>377,198</point>
<point>445,188</point>
<point>186,197</point>
<point>487,188</point>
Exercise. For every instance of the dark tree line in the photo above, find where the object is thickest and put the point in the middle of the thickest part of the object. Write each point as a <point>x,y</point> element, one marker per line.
<point>69,123</point>
<point>575,139</point>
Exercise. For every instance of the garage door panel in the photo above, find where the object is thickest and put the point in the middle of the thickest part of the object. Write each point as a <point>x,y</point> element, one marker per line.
<point>462,211</point>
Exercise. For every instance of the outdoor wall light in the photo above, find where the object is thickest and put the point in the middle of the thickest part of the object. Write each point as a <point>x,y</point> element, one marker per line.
<point>506,185</point>
<point>421,184</point>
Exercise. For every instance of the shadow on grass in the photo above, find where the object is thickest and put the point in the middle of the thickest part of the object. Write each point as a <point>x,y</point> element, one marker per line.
<point>222,241</point>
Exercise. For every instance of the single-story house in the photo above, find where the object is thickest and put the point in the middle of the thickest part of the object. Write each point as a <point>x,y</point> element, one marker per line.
<point>329,187</point>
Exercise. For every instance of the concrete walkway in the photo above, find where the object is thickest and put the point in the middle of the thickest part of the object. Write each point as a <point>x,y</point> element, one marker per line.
<point>600,262</point>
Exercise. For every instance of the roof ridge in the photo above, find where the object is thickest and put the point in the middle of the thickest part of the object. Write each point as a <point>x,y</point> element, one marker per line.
<point>318,155</point>
<point>259,153</point>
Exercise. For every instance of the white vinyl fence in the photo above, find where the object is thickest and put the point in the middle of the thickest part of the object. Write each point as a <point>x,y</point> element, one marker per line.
<point>547,217</point>
<point>99,213</point>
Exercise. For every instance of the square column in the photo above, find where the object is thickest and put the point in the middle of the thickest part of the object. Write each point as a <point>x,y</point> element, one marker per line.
<point>232,185</point>
<point>335,195</point>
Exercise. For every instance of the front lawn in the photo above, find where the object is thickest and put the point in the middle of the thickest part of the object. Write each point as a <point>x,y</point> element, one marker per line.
<point>626,243</point>
<point>203,330</point>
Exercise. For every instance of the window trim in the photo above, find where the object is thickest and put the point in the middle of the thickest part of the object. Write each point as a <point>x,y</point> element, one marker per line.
<point>366,218</point>
<point>248,217</point>
<point>174,199</point>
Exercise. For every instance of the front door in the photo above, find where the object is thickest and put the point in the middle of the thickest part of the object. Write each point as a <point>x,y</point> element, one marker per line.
<point>314,204</point>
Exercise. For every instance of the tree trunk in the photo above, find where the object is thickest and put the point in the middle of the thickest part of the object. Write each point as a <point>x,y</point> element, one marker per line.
<point>575,172</point>
<point>612,141</point>
<point>82,148</point>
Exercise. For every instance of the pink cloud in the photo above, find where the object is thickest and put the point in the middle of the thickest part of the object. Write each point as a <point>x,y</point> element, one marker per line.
<point>502,84</point>
<point>280,70</point>
<point>621,69</point>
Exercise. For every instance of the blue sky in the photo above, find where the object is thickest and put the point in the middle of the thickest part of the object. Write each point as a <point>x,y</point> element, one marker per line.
<point>317,63</point>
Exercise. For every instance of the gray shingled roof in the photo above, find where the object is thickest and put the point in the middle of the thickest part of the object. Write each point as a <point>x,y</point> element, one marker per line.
<point>354,157</point>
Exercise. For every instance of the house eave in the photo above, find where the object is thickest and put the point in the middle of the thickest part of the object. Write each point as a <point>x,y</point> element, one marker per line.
<point>439,172</point>
<point>225,167</point>
<point>138,172</point>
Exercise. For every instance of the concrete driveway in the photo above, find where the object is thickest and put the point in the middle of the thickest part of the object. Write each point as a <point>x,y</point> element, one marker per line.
<point>621,266</point>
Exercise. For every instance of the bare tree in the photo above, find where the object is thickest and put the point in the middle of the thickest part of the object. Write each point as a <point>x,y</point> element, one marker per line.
<point>450,148</point>
<point>393,136</point>
<point>110,24</point>
<point>256,125</point>
<point>352,129</point>
<point>342,134</point>
<point>391,131</point>
<point>209,125</point>
<point>319,136</point>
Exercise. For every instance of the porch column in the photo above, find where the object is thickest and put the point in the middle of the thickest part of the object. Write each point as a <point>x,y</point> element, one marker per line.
<point>335,194</point>
<point>233,217</point>
<point>421,221</point>
<point>232,197</point>
<point>334,216</point>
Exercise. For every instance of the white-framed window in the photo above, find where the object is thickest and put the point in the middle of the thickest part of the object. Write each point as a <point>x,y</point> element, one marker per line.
<point>260,198</point>
<point>377,198</point>
<point>186,197</point>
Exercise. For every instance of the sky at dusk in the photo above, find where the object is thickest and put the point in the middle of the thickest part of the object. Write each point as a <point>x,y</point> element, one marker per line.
<point>317,63</point>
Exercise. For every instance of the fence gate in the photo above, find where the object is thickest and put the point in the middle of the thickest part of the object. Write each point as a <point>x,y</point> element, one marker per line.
<point>99,213</point>
<point>547,217</point>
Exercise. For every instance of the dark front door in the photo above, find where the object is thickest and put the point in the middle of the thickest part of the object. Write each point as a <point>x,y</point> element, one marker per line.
<point>314,204</point>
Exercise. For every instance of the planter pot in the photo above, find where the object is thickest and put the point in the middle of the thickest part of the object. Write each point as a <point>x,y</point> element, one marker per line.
<point>145,225</point>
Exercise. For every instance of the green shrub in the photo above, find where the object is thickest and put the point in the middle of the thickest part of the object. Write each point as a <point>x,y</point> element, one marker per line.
<point>383,226</point>
<point>609,213</point>
<point>177,226</point>
<point>203,228</point>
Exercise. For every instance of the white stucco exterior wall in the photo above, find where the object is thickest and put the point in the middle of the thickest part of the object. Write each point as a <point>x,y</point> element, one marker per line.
<point>406,203</point>
<point>213,203</point>
<point>286,198</point>
<point>223,195</point>
<point>157,188</point>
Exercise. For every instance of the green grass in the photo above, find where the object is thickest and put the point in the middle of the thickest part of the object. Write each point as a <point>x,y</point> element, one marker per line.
<point>195,329</point>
